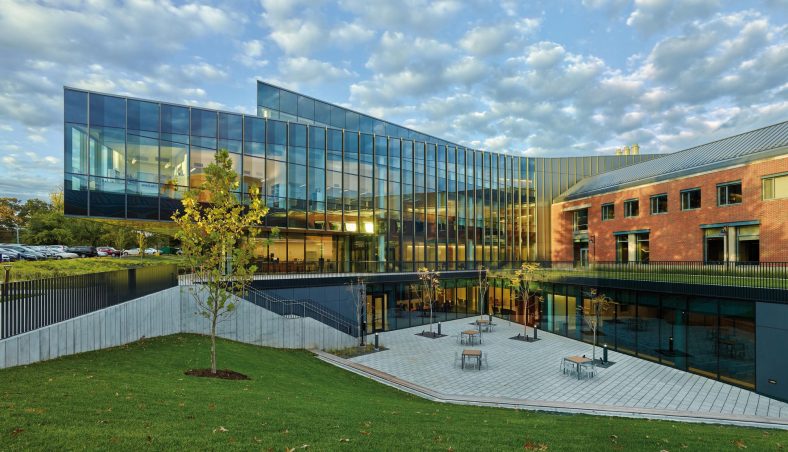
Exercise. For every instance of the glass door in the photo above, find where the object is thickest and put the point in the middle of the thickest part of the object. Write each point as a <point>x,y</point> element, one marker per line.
<point>377,306</point>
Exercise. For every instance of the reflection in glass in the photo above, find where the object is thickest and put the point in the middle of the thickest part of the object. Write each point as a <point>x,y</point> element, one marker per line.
<point>107,152</point>
<point>142,156</point>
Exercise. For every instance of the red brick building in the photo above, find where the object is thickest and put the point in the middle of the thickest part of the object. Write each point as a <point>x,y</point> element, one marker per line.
<point>722,201</point>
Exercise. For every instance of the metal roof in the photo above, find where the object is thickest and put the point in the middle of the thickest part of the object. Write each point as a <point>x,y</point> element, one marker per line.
<point>746,147</point>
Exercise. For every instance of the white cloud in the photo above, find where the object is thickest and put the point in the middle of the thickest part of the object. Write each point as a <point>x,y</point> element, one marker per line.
<point>651,16</point>
<point>306,70</point>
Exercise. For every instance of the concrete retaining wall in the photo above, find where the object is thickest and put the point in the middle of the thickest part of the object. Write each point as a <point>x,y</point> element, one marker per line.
<point>167,312</point>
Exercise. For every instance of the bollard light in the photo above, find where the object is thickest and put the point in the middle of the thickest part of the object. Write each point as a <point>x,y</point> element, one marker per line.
<point>439,328</point>
<point>604,354</point>
<point>670,344</point>
<point>377,342</point>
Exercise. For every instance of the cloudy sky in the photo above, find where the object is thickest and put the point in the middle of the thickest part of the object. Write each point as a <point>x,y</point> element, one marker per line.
<point>542,78</point>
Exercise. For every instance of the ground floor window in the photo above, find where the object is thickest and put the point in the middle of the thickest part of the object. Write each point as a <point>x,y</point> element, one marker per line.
<point>632,247</point>
<point>732,244</point>
<point>709,336</point>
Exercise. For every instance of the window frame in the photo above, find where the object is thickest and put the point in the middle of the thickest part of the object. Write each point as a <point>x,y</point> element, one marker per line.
<point>726,186</point>
<point>611,206</point>
<point>629,202</point>
<point>687,191</point>
<point>771,178</point>
<point>653,201</point>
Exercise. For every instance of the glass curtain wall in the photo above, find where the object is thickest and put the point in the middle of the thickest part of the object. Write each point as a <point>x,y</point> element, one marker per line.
<point>388,196</point>
<point>714,337</point>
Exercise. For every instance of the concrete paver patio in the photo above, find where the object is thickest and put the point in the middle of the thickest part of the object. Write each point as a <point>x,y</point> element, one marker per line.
<point>531,371</point>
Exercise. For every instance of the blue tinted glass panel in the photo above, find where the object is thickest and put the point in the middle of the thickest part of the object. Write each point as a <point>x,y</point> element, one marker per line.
<point>231,146</point>
<point>322,113</point>
<point>76,106</point>
<point>75,195</point>
<point>337,117</point>
<point>174,120</point>
<point>254,129</point>
<point>142,154</point>
<point>380,127</point>
<point>297,135</point>
<point>144,205</point>
<point>288,102</point>
<point>366,124</point>
<point>230,126</point>
<point>351,120</point>
<point>203,123</point>
<point>107,152</point>
<point>335,139</point>
<point>306,108</point>
<point>267,96</point>
<point>143,115</point>
<point>317,137</point>
<point>76,149</point>
<point>107,111</point>
<point>276,139</point>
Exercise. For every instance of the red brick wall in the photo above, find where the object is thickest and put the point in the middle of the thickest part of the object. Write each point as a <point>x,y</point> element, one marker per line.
<point>676,235</point>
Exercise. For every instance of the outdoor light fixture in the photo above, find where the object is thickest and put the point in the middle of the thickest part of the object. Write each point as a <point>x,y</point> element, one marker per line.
<point>350,227</point>
<point>369,227</point>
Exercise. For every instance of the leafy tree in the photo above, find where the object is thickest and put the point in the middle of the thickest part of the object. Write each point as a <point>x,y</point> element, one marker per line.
<point>520,283</point>
<point>215,241</point>
<point>430,284</point>
<point>592,315</point>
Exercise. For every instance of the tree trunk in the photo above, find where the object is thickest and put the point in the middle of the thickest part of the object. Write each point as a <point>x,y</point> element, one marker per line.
<point>214,318</point>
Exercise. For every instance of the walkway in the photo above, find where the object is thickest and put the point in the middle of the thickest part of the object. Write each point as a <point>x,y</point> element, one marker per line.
<point>527,375</point>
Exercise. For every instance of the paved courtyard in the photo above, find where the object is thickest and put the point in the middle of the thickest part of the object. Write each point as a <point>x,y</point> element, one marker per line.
<point>531,371</point>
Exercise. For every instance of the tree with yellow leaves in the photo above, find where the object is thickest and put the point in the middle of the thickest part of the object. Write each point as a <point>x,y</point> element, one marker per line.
<point>520,283</point>
<point>430,288</point>
<point>215,241</point>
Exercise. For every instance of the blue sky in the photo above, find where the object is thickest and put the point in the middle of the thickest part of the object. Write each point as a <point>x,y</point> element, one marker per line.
<point>549,78</point>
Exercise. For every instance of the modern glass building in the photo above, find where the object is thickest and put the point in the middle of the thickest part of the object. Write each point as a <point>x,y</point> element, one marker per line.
<point>348,191</point>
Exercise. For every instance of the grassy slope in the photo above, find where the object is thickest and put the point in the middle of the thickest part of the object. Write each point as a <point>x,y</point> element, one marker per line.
<point>24,270</point>
<point>136,396</point>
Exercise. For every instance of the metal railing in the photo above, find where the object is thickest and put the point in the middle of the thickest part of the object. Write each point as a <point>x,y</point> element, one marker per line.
<point>29,305</point>
<point>300,308</point>
<point>765,275</point>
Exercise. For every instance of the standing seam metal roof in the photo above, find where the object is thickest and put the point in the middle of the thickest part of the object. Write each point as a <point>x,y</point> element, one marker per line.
<point>746,147</point>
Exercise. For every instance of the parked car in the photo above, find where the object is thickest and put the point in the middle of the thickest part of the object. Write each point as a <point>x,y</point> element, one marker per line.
<point>12,255</point>
<point>65,255</point>
<point>23,252</point>
<point>136,252</point>
<point>109,251</point>
<point>83,251</point>
<point>5,257</point>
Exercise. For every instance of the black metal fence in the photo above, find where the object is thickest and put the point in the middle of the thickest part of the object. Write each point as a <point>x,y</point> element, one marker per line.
<point>29,305</point>
<point>764,275</point>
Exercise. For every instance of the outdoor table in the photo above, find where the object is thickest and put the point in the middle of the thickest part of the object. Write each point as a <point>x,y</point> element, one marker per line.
<point>577,361</point>
<point>471,334</point>
<point>471,353</point>
<point>484,324</point>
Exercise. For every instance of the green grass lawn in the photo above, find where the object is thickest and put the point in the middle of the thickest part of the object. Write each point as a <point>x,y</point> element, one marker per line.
<point>137,397</point>
<point>25,270</point>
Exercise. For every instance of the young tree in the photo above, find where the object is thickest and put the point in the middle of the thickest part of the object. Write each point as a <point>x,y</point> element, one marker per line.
<point>214,239</point>
<point>358,290</point>
<point>599,304</point>
<point>430,288</point>
<point>484,285</point>
<point>520,283</point>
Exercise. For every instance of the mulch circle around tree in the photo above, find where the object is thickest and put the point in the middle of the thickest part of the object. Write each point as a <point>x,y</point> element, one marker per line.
<point>432,335</point>
<point>522,338</point>
<point>224,374</point>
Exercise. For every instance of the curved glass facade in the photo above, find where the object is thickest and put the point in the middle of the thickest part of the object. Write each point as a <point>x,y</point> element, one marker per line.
<point>349,192</point>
